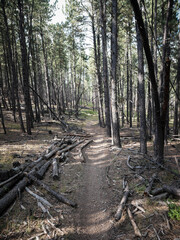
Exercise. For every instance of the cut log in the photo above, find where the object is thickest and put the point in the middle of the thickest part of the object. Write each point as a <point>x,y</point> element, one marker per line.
<point>83,149</point>
<point>12,181</point>
<point>122,204</point>
<point>6,201</point>
<point>68,148</point>
<point>58,196</point>
<point>169,189</point>
<point>136,229</point>
<point>78,135</point>
<point>52,153</point>
<point>9,198</point>
<point>150,184</point>
<point>43,169</point>
<point>55,169</point>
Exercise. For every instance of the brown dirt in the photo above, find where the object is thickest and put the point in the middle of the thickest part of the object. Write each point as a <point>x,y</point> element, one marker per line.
<point>95,185</point>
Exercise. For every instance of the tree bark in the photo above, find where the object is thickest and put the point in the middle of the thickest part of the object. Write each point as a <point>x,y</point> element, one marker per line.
<point>141,94</point>
<point>105,66</point>
<point>159,125</point>
<point>114,49</point>
<point>25,68</point>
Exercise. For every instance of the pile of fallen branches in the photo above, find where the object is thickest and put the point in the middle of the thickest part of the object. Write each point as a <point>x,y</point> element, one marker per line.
<point>32,172</point>
<point>151,191</point>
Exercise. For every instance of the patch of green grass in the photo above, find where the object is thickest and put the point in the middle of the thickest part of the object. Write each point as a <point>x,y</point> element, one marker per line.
<point>88,114</point>
<point>174,211</point>
<point>140,189</point>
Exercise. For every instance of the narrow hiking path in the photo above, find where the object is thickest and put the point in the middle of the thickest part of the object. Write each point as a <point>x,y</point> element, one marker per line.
<point>93,219</point>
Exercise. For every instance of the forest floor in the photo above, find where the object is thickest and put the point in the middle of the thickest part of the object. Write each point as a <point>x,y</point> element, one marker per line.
<point>96,185</point>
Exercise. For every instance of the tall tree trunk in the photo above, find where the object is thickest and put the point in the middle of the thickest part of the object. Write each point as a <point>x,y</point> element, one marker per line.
<point>130,86</point>
<point>127,71</point>
<point>175,127</point>
<point>115,118</point>
<point>25,68</point>
<point>9,57</point>
<point>97,64</point>
<point>46,71</point>
<point>2,119</point>
<point>105,66</point>
<point>160,117</point>
<point>141,93</point>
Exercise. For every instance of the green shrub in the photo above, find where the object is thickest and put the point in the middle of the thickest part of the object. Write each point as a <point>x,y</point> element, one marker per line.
<point>174,211</point>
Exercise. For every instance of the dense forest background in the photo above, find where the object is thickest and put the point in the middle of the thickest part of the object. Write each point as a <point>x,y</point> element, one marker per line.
<point>120,57</point>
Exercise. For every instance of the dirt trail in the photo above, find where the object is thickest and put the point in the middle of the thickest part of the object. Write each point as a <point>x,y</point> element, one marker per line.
<point>93,220</point>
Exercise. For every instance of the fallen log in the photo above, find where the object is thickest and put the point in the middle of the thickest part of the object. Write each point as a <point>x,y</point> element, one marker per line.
<point>9,198</point>
<point>122,204</point>
<point>169,189</point>
<point>157,191</point>
<point>172,190</point>
<point>10,179</point>
<point>68,148</point>
<point>43,169</point>
<point>83,148</point>
<point>135,227</point>
<point>55,169</point>
<point>150,184</point>
<point>58,196</point>
<point>52,153</point>
<point>160,196</point>
<point>6,187</point>
<point>6,201</point>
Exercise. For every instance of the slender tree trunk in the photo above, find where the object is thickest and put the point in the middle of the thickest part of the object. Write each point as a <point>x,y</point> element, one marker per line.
<point>97,63</point>
<point>2,119</point>
<point>114,49</point>
<point>160,117</point>
<point>130,87</point>
<point>175,127</point>
<point>25,68</point>
<point>141,93</point>
<point>105,66</point>
<point>127,70</point>
<point>46,71</point>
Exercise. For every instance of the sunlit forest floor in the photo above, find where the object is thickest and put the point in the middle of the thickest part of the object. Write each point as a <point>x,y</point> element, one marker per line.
<point>96,186</point>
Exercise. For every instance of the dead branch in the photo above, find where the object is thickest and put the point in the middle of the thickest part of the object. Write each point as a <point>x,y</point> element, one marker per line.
<point>157,191</point>
<point>58,196</point>
<point>39,198</point>
<point>160,196</point>
<point>122,204</point>
<point>169,189</point>
<point>162,166</point>
<point>172,190</point>
<point>150,184</point>
<point>136,229</point>
<point>128,163</point>
<point>83,149</point>
<point>130,166</point>
<point>55,169</point>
